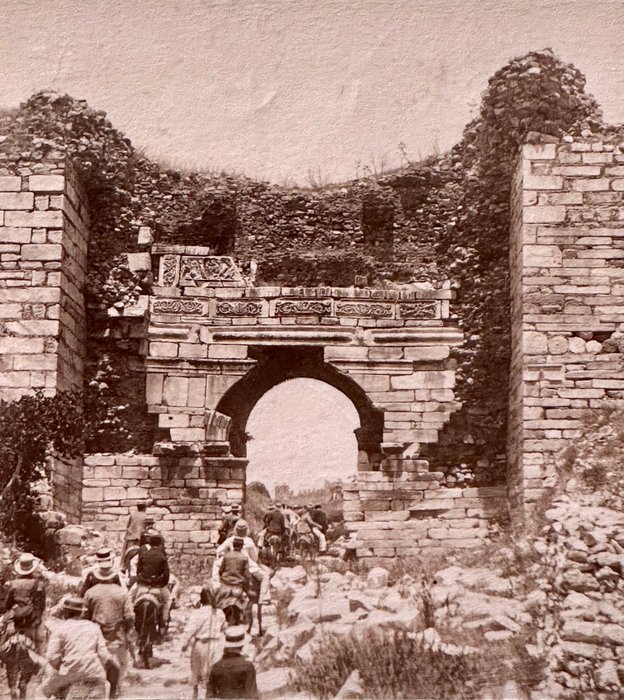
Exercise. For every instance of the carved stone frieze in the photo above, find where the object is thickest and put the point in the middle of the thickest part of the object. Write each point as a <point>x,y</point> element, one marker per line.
<point>177,306</point>
<point>362,308</point>
<point>239,308</point>
<point>169,270</point>
<point>421,310</point>
<point>303,308</point>
<point>209,270</point>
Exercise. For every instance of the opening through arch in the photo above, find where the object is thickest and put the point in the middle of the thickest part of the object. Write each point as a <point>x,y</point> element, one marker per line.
<point>302,434</point>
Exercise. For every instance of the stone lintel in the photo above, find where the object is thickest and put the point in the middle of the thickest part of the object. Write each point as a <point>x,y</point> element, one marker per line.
<point>419,336</point>
<point>279,337</point>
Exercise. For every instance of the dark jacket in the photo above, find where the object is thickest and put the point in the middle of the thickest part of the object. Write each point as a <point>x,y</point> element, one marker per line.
<point>234,569</point>
<point>320,518</point>
<point>23,592</point>
<point>152,567</point>
<point>232,677</point>
<point>275,522</point>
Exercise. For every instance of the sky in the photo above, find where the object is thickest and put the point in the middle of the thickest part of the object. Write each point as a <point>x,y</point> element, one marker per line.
<point>297,91</point>
<point>294,90</point>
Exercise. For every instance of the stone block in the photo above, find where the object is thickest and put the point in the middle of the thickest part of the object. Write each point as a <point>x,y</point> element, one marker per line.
<point>427,353</point>
<point>534,343</point>
<point>17,200</point>
<point>591,185</point>
<point>188,434</point>
<point>139,262</point>
<point>34,219</point>
<point>114,493</point>
<point>163,349</point>
<point>15,235</point>
<point>544,214</point>
<point>428,379</point>
<point>173,420</point>
<point>542,182</point>
<point>542,256</point>
<point>46,251</point>
<point>46,183</point>
<point>175,391</point>
<point>145,236</point>
<point>227,352</point>
<point>154,388</point>
<point>21,346</point>
<point>197,392</point>
<point>92,494</point>
<point>10,183</point>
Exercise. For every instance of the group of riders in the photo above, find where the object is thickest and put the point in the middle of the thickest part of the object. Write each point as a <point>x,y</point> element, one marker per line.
<point>104,625</point>
<point>288,526</point>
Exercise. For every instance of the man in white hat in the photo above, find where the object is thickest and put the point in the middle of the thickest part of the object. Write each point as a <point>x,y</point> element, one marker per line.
<point>101,569</point>
<point>26,594</point>
<point>77,653</point>
<point>230,516</point>
<point>233,676</point>
<point>241,531</point>
<point>109,605</point>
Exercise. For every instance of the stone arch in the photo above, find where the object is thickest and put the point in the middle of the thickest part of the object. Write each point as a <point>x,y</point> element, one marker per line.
<point>275,365</point>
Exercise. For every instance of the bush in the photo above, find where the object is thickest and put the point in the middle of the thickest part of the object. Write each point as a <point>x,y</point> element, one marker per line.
<point>392,664</point>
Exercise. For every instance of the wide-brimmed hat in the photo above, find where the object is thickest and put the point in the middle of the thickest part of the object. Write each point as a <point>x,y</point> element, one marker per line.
<point>241,525</point>
<point>236,508</point>
<point>74,604</point>
<point>227,509</point>
<point>26,564</point>
<point>104,556</point>
<point>235,637</point>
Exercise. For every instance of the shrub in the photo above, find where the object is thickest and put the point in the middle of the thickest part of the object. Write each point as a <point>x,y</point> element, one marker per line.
<point>393,664</point>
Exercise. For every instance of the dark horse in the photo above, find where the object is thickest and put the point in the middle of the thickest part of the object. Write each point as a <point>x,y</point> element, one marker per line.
<point>146,626</point>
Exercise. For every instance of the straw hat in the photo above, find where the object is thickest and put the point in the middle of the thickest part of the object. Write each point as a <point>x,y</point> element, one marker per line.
<point>235,637</point>
<point>241,526</point>
<point>26,564</point>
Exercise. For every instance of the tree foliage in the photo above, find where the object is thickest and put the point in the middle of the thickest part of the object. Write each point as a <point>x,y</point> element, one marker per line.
<point>31,429</point>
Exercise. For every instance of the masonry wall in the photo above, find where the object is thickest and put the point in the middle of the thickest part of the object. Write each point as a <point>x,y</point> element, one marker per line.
<point>567,286</point>
<point>402,514</point>
<point>43,252</point>
<point>185,495</point>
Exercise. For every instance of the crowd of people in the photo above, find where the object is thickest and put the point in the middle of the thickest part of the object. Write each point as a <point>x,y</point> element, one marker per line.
<point>95,638</point>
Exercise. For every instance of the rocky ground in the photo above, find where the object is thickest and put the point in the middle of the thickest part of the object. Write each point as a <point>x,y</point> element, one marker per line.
<point>547,611</point>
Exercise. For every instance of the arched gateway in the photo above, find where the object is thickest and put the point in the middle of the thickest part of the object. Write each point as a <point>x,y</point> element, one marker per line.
<point>217,344</point>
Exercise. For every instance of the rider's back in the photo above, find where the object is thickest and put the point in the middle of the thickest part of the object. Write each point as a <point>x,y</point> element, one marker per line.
<point>234,568</point>
<point>152,567</point>
<point>275,522</point>
<point>76,647</point>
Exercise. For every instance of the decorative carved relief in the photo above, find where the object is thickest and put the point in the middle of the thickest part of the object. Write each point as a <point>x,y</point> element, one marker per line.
<point>421,310</point>
<point>169,270</point>
<point>303,308</point>
<point>239,308</point>
<point>356,308</point>
<point>177,306</point>
<point>211,269</point>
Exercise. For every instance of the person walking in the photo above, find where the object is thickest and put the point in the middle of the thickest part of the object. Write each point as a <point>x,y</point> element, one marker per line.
<point>77,653</point>
<point>233,676</point>
<point>110,606</point>
<point>26,598</point>
<point>136,526</point>
<point>204,635</point>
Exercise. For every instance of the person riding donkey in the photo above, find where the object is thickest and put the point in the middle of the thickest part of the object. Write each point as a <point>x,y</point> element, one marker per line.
<point>274,524</point>
<point>260,574</point>
<point>231,515</point>
<point>25,599</point>
<point>152,576</point>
